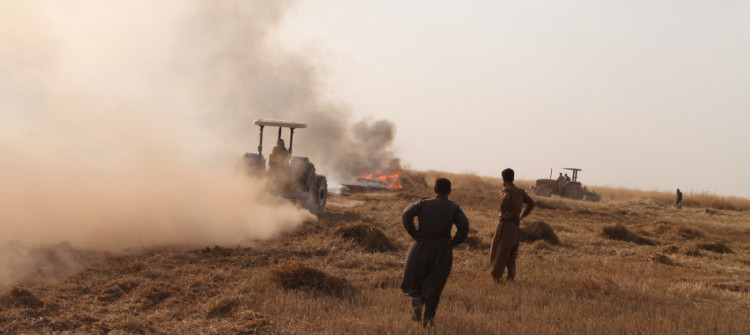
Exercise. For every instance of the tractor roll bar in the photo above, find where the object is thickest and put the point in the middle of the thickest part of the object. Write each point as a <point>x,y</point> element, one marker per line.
<point>291,140</point>
<point>260,146</point>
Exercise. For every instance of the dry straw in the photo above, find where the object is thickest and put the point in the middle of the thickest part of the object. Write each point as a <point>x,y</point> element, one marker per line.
<point>295,276</point>
<point>538,230</point>
<point>369,237</point>
<point>620,233</point>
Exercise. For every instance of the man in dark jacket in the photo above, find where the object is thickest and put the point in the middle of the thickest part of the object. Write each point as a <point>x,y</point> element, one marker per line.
<point>428,263</point>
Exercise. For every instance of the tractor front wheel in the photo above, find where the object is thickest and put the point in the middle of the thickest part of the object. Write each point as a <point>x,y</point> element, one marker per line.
<point>573,191</point>
<point>545,190</point>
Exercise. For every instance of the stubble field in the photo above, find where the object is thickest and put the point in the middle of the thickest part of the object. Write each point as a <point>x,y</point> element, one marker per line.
<point>628,264</point>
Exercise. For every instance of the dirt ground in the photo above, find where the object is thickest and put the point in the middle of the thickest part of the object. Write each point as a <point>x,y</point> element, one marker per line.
<point>634,265</point>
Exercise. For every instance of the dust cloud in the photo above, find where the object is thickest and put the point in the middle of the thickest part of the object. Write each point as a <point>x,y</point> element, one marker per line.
<point>122,124</point>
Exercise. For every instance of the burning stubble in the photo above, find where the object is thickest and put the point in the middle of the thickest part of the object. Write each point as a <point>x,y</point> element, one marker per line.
<point>121,124</point>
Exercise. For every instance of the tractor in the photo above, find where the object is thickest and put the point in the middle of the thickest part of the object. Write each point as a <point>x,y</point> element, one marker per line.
<point>292,177</point>
<point>569,189</point>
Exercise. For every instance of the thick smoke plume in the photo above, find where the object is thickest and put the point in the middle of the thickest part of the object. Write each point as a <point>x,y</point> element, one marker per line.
<point>122,124</point>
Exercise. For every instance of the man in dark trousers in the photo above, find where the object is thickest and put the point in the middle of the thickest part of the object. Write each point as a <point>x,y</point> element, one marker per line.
<point>679,199</point>
<point>430,256</point>
<point>505,243</point>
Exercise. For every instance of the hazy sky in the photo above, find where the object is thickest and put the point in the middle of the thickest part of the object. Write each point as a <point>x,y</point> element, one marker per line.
<point>652,95</point>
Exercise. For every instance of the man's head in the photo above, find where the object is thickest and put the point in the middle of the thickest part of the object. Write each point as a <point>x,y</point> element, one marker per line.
<point>508,175</point>
<point>442,186</point>
<point>280,142</point>
<point>560,174</point>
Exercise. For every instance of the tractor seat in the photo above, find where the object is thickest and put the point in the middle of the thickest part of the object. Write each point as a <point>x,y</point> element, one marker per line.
<point>278,160</point>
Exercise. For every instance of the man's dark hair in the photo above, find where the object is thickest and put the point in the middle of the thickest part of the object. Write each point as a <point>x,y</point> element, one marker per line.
<point>442,186</point>
<point>508,175</point>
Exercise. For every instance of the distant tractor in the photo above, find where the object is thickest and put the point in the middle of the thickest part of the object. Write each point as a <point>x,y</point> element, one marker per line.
<point>569,189</point>
<point>292,177</point>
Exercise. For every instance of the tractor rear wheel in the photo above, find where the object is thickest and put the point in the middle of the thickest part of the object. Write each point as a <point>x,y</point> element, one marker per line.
<point>545,190</point>
<point>573,191</point>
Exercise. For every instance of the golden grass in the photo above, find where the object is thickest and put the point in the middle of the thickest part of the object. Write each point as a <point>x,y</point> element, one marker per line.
<point>702,200</point>
<point>315,281</point>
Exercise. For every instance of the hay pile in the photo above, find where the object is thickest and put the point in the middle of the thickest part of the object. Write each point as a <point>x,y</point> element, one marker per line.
<point>716,247</point>
<point>538,230</point>
<point>688,233</point>
<point>231,316</point>
<point>660,258</point>
<point>223,308</point>
<point>474,242</point>
<point>670,249</point>
<point>692,250</point>
<point>367,236</point>
<point>677,232</point>
<point>620,233</point>
<point>301,277</point>
<point>21,298</point>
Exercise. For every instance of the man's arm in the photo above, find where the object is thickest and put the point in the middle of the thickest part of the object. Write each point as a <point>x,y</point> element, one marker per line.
<point>462,225</point>
<point>408,218</point>
<point>529,205</point>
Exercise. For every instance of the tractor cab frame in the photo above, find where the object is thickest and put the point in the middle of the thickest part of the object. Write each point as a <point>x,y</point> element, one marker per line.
<point>293,177</point>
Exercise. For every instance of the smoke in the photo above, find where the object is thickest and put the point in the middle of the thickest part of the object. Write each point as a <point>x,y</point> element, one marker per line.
<point>122,123</point>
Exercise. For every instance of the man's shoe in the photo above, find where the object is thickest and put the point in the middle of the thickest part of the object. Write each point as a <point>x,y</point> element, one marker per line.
<point>417,313</point>
<point>428,323</point>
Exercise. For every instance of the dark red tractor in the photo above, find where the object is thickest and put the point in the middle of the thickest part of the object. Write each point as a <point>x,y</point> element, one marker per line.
<point>572,188</point>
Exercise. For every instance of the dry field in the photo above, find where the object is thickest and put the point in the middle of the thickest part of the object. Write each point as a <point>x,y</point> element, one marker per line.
<point>630,264</point>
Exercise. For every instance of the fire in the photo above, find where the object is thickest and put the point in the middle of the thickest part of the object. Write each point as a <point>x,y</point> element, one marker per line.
<point>390,178</point>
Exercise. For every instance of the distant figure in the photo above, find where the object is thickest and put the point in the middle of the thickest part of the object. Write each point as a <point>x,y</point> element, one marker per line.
<point>560,182</point>
<point>566,177</point>
<point>280,149</point>
<point>430,256</point>
<point>505,243</point>
<point>279,154</point>
<point>679,199</point>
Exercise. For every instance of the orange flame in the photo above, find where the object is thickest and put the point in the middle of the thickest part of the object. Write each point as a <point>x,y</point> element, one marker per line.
<point>393,178</point>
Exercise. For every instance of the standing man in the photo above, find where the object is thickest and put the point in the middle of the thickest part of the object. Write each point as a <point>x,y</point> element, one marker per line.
<point>430,256</point>
<point>505,244</point>
<point>679,199</point>
<point>560,182</point>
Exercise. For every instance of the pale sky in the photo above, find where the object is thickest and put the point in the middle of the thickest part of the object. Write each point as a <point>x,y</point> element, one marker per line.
<point>653,95</point>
